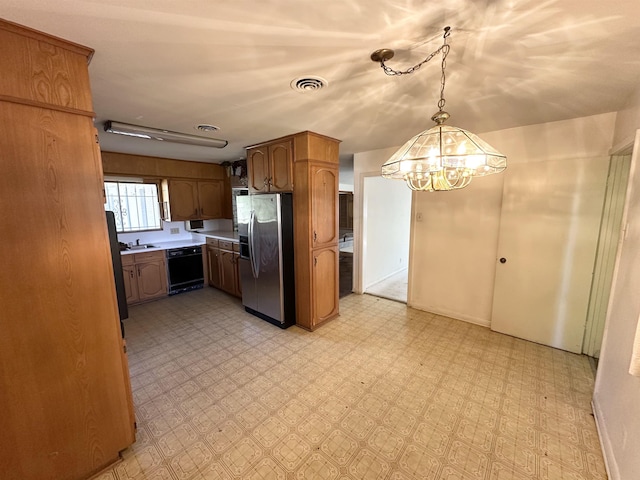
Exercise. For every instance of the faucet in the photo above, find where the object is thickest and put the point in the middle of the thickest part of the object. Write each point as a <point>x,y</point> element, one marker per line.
<point>137,242</point>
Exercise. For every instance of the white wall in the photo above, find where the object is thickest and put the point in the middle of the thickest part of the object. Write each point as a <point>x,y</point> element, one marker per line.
<point>165,234</point>
<point>387,210</point>
<point>616,398</point>
<point>364,164</point>
<point>454,247</point>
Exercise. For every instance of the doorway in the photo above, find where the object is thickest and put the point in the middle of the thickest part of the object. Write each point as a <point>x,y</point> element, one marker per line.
<point>345,242</point>
<point>608,240</point>
<point>386,225</point>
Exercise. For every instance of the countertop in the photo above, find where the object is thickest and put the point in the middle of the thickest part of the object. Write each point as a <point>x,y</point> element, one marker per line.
<point>199,238</point>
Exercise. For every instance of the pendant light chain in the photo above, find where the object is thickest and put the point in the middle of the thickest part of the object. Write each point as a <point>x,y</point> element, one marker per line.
<point>445,52</point>
<point>444,48</point>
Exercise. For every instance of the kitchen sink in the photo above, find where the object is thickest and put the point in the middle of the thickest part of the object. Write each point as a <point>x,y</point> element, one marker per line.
<point>141,247</point>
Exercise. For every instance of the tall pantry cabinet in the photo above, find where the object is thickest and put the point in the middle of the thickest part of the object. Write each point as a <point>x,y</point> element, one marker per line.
<point>306,164</point>
<point>65,396</point>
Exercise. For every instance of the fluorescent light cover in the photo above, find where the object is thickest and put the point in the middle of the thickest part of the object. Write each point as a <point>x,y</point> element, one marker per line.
<point>163,135</point>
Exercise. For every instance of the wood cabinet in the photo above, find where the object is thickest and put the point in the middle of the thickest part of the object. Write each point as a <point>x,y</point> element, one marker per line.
<point>145,276</point>
<point>315,161</point>
<point>223,265</point>
<point>270,167</point>
<point>325,274</point>
<point>195,200</point>
<point>65,394</point>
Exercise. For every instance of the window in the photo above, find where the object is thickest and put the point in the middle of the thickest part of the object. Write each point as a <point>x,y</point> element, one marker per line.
<point>135,205</point>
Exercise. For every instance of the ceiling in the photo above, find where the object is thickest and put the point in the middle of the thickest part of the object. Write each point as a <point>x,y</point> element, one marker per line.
<point>174,65</point>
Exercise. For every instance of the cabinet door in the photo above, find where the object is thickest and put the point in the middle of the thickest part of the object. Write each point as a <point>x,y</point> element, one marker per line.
<point>280,167</point>
<point>183,200</point>
<point>130,283</point>
<point>236,259</point>
<point>228,278</point>
<point>210,199</point>
<point>324,205</point>
<point>325,285</point>
<point>152,279</point>
<point>258,170</point>
<point>213,257</point>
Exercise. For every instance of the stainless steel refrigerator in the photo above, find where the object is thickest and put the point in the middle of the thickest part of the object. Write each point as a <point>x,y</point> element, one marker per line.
<point>265,230</point>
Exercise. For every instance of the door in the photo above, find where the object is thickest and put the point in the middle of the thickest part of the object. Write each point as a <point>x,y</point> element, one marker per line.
<point>210,199</point>
<point>548,234</point>
<point>280,163</point>
<point>324,206</point>
<point>258,170</point>
<point>183,200</point>
<point>213,260</point>
<point>606,253</point>
<point>227,272</point>
<point>325,284</point>
<point>268,261</point>
<point>152,279</point>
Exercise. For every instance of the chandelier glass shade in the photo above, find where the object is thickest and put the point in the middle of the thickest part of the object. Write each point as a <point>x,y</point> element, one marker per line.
<point>443,157</point>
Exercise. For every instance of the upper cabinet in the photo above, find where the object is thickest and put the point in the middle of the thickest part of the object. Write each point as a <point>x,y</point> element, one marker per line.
<point>195,200</point>
<point>323,180</point>
<point>270,167</point>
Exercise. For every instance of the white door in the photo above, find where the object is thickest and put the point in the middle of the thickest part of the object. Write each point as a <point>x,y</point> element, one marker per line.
<point>548,235</point>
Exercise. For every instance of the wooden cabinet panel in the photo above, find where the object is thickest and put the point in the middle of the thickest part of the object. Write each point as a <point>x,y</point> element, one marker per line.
<point>145,276</point>
<point>270,167</point>
<point>193,200</point>
<point>228,272</point>
<point>152,279</point>
<point>183,200</point>
<point>64,389</point>
<point>325,277</point>
<point>223,266</point>
<point>324,207</point>
<point>213,256</point>
<point>280,167</point>
<point>130,274</point>
<point>258,170</point>
<point>210,195</point>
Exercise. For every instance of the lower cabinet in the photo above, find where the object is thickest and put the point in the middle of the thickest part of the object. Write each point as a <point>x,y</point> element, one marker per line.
<point>324,281</point>
<point>223,266</point>
<point>145,276</point>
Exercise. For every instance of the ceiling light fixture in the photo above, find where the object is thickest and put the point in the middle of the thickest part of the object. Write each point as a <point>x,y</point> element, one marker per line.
<point>442,157</point>
<point>162,135</point>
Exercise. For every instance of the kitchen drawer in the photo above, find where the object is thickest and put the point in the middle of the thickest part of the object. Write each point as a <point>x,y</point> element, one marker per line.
<point>147,256</point>
<point>212,241</point>
<point>127,259</point>
<point>236,247</point>
<point>227,245</point>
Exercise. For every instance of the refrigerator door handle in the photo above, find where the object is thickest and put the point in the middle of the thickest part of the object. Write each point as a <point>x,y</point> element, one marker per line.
<point>252,259</point>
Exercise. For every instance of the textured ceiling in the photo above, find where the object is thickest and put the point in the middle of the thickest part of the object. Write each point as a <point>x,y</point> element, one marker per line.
<point>175,64</point>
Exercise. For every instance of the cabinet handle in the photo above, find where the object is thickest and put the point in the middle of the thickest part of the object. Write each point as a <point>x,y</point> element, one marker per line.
<point>271,181</point>
<point>315,236</point>
<point>131,273</point>
<point>315,261</point>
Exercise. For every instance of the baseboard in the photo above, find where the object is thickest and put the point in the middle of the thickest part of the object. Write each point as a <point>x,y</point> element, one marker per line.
<point>455,315</point>
<point>605,443</point>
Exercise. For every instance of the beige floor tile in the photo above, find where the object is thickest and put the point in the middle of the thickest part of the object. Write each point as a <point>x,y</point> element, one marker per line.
<point>382,392</point>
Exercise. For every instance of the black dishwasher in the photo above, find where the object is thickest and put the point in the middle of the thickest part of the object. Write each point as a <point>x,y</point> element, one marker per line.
<point>184,268</point>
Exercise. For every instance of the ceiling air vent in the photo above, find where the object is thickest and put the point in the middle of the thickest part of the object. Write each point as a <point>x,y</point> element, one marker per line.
<point>308,83</point>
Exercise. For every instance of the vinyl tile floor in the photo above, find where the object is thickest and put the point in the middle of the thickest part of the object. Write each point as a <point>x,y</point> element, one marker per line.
<point>392,288</point>
<point>381,392</point>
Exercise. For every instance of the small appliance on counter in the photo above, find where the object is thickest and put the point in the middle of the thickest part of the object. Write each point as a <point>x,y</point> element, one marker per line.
<point>265,230</point>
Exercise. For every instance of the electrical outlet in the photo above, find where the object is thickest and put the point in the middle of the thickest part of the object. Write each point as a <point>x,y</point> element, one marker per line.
<point>175,231</point>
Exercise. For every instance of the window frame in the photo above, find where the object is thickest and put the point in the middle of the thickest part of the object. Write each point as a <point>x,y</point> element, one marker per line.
<point>136,181</point>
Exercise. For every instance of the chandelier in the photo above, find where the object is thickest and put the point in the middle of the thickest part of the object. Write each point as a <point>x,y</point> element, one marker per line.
<point>443,157</point>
